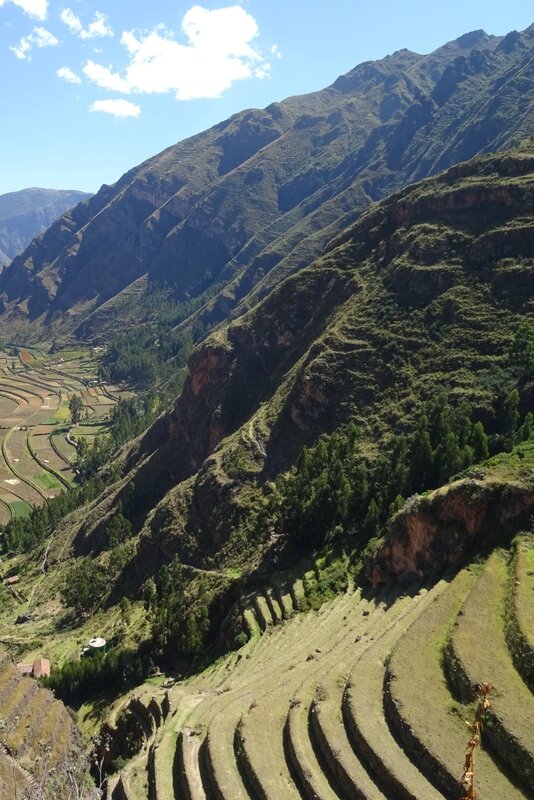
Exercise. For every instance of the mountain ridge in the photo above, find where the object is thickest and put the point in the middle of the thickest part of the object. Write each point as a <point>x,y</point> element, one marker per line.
<point>258,196</point>
<point>407,320</point>
<point>26,213</point>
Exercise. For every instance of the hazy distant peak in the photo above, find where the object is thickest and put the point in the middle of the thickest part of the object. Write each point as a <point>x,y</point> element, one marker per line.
<point>469,40</point>
<point>28,212</point>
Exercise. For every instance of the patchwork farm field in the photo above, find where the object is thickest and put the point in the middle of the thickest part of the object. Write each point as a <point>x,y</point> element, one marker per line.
<point>37,439</point>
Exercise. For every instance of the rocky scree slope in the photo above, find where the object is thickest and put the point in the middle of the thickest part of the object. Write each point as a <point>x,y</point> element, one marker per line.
<point>250,201</point>
<point>425,290</point>
<point>25,214</point>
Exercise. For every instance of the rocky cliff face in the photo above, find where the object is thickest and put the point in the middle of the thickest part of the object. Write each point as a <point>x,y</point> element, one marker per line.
<point>446,527</point>
<point>257,197</point>
<point>229,378</point>
<point>26,214</point>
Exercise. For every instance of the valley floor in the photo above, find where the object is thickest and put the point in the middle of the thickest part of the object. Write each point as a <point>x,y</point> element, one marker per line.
<point>37,452</point>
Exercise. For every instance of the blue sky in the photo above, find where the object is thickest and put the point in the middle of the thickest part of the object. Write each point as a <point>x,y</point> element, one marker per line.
<point>91,88</point>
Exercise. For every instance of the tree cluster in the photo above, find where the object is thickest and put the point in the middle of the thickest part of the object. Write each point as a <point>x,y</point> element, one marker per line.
<point>151,353</point>
<point>155,349</point>
<point>129,418</point>
<point>336,487</point>
<point>75,408</point>
<point>178,622</point>
<point>522,351</point>
<point>120,668</point>
<point>84,586</point>
<point>22,534</point>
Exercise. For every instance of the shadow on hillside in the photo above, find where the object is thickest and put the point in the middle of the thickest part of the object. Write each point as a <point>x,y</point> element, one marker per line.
<point>99,706</point>
<point>409,586</point>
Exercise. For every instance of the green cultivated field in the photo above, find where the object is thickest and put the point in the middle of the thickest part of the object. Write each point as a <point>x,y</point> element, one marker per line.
<point>36,459</point>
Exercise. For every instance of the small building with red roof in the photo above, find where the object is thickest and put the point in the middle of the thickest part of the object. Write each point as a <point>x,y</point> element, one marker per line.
<point>39,669</point>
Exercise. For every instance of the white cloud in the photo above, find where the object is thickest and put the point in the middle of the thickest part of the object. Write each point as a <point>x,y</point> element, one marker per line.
<point>71,20</point>
<point>68,75</point>
<point>105,78</point>
<point>275,50</point>
<point>33,8</point>
<point>117,107</point>
<point>39,37</point>
<point>98,27</point>
<point>220,50</point>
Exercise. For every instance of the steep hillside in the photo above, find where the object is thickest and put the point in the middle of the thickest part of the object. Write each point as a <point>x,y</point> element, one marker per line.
<point>333,702</point>
<point>466,517</point>
<point>40,749</point>
<point>425,291</point>
<point>25,214</point>
<point>228,213</point>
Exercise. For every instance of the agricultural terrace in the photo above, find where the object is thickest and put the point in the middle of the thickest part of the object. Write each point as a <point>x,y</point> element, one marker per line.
<point>37,437</point>
<point>356,699</point>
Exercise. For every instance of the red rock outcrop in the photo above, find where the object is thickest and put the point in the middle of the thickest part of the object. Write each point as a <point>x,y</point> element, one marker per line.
<point>438,530</point>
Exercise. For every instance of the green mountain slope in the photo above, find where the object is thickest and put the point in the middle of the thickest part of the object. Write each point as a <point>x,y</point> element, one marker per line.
<point>234,210</point>
<point>29,212</point>
<point>425,291</point>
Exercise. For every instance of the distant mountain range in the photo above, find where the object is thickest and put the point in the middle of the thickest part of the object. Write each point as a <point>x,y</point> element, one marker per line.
<point>226,215</point>
<point>25,214</point>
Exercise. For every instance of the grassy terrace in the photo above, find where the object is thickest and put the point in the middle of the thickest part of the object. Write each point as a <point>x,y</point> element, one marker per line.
<point>14,780</point>
<point>61,446</point>
<point>166,766</point>
<point>221,727</point>
<point>348,770</point>
<point>347,701</point>
<point>520,628</point>
<point>12,481</point>
<point>218,695</point>
<point>32,720</point>
<point>231,719</point>
<point>255,687</point>
<point>42,450</point>
<point>271,695</point>
<point>420,709</point>
<point>478,652</point>
<point>302,759</point>
<point>275,705</point>
<point>363,712</point>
